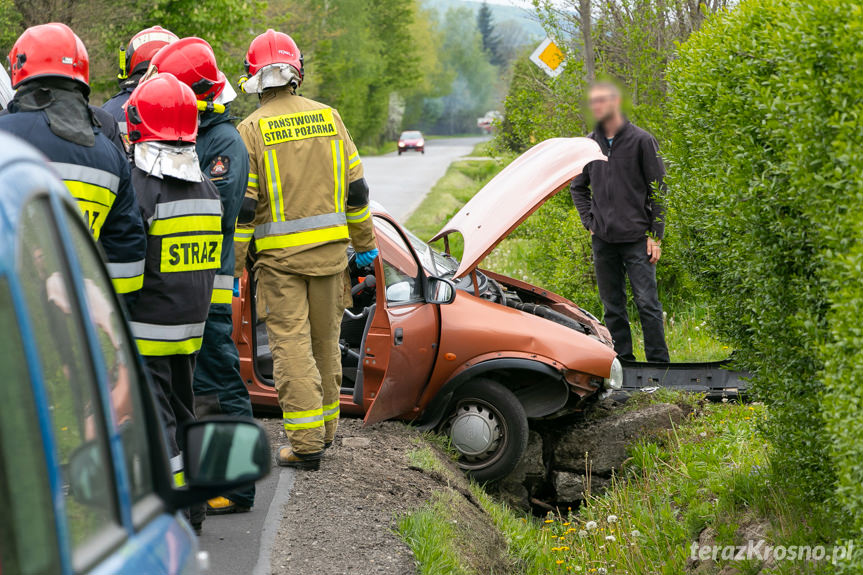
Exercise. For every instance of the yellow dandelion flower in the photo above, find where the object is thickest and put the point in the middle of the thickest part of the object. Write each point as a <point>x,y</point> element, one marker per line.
<point>566,524</point>
<point>559,561</point>
<point>549,520</point>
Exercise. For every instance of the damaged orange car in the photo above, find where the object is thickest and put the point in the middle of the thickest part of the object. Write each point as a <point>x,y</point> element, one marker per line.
<point>452,347</point>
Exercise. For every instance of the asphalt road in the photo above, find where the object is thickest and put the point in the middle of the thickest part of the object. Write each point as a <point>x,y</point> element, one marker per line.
<point>243,543</point>
<point>400,183</point>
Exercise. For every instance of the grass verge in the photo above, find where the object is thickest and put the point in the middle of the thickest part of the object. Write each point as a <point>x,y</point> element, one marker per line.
<point>710,482</point>
<point>377,150</point>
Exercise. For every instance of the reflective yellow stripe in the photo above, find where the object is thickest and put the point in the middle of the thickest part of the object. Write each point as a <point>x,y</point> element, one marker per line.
<point>359,216</point>
<point>306,413</point>
<point>339,174</point>
<point>158,348</point>
<point>94,215</point>
<point>303,238</point>
<point>222,296</point>
<point>191,253</point>
<point>91,193</point>
<point>253,180</point>
<point>274,186</point>
<point>128,285</point>
<point>243,234</point>
<point>331,411</point>
<point>186,224</point>
<point>308,419</point>
<point>179,479</point>
<point>354,160</point>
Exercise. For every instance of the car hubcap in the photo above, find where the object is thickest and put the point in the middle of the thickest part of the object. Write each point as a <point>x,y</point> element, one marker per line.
<point>476,431</point>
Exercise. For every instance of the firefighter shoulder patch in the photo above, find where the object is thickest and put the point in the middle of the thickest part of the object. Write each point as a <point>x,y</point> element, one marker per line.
<point>219,166</point>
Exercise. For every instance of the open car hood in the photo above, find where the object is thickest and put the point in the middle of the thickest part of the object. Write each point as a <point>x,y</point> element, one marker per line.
<point>515,193</point>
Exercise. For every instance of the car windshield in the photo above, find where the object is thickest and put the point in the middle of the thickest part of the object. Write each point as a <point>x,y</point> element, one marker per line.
<point>433,261</point>
<point>411,136</point>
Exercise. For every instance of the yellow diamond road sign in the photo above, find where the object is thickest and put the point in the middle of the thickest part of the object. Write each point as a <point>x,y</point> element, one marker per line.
<point>549,58</point>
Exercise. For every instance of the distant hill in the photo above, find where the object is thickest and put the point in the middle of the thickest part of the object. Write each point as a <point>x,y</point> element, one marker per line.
<point>502,13</point>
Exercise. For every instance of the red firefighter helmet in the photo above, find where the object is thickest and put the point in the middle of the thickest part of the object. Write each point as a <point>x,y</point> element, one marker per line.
<point>144,45</point>
<point>273,47</point>
<point>193,62</point>
<point>162,109</point>
<point>49,50</point>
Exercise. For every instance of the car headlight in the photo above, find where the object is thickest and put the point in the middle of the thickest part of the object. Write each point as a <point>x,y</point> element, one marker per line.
<point>615,379</point>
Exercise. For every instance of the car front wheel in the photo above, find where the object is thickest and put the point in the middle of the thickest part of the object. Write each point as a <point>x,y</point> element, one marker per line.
<point>488,427</point>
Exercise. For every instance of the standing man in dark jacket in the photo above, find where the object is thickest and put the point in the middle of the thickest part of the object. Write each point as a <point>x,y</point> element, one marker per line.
<point>219,387</point>
<point>618,204</point>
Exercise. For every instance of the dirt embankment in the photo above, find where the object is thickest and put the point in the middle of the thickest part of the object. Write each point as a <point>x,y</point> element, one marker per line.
<point>343,518</point>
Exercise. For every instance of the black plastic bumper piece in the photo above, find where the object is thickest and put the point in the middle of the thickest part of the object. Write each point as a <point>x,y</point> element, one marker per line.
<point>715,378</point>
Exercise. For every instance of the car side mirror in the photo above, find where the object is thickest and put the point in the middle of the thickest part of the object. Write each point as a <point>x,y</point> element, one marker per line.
<point>225,453</point>
<point>440,291</point>
<point>87,476</point>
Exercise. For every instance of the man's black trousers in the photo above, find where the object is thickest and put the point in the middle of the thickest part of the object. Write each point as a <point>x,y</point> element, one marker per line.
<point>172,377</point>
<point>613,263</point>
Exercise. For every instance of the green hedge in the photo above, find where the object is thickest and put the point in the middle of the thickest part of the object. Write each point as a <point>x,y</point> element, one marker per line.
<point>764,148</point>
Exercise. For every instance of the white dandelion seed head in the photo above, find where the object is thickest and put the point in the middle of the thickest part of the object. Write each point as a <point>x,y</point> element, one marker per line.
<point>612,518</point>
<point>590,526</point>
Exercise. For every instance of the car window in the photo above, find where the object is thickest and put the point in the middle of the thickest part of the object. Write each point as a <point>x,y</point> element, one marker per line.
<point>401,272</point>
<point>76,415</point>
<point>28,540</point>
<point>116,348</point>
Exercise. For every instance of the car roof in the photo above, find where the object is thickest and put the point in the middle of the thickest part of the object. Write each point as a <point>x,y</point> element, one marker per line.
<point>23,171</point>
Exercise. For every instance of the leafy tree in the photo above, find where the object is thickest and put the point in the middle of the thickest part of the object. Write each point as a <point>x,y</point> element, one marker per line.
<point>490,40</point>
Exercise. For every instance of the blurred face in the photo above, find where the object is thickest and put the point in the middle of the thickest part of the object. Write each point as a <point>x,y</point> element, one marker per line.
<point>604,103</point>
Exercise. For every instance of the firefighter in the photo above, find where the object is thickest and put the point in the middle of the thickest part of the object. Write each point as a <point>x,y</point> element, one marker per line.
<point>50,70</point>
<point>183,216</point>
<point>219,387</point>
<point>306,200</point>
<point>134,62</point>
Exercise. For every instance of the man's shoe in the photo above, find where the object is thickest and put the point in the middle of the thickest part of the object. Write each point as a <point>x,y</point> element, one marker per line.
<point>327,445</point>
<point>309,462</point>
<point>198,528</point>
<point>224,506</point>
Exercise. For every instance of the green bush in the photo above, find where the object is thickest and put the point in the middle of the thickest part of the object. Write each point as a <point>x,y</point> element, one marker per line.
<point>765,171</point>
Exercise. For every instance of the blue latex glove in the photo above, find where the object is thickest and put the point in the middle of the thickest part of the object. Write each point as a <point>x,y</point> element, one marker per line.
<point>236,287</point>
<point>366,258</point>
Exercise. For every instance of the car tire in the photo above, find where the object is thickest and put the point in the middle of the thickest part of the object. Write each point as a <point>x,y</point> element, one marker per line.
<point>488,427</point>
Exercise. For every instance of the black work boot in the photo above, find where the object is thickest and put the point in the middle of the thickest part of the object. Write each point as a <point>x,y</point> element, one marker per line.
<point>307,461</point>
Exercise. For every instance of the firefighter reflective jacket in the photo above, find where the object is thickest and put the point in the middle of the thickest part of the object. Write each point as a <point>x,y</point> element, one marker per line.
<point>99,179</point>
<point>184,225</point>
<point>225,161</point>
<point>307,178</point>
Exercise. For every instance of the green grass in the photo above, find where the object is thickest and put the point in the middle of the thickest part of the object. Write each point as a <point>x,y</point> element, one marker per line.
<point>430,533</point>
<point>713,472</point>
<point>377,150</point>
<point>426,459</point>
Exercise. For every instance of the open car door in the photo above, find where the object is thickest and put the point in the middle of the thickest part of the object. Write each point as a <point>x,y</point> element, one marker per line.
<point>404,333</point>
